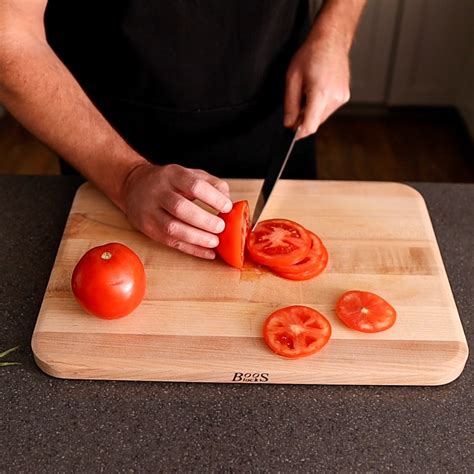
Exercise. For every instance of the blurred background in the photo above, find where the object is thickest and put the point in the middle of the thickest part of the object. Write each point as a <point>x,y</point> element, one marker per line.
<point>411,115</point>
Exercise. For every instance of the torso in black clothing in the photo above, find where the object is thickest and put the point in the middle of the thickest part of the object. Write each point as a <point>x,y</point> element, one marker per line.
<point>196,82</point>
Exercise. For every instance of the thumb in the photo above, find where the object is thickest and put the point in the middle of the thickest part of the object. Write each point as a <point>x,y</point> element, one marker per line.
<point>293,96</point>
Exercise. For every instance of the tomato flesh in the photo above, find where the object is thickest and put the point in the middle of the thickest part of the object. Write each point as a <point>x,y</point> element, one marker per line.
<point>365,311</point>
<point>109,281</point>
<point>278,242</point>
<point>313,264</point>
<point>313,271</point>
<point>232,239</point>
<point>296,331</point>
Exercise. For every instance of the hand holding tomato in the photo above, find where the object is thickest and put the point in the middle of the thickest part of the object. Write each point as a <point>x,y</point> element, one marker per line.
<point>109,281</point>
<point>158,202</point>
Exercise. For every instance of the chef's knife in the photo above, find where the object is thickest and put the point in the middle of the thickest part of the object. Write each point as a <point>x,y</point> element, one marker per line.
<point>275,170</point>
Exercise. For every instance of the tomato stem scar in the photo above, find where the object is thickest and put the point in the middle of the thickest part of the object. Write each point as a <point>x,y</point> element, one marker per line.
<point>106,256</point>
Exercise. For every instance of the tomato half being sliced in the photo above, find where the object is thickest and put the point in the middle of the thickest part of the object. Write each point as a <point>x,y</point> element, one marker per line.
<point>278,242</point>
<point>364,311</point>
<point>316,259</point>
<point>296,331</point>
<point>232,239</point>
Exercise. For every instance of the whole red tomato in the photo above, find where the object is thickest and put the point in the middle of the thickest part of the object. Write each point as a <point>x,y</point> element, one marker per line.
<point>109,281</point>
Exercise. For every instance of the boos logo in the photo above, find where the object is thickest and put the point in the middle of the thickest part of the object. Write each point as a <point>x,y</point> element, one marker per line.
<point>249,377</point>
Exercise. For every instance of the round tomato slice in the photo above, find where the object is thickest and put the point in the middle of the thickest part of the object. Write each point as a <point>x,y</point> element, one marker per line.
<point>232,239</point>
<point>316,258</point>
<point>364,311</point>
<point>278,242</point>
<point>321,262</point>
<point>109,281</point>
<point>296,331</point>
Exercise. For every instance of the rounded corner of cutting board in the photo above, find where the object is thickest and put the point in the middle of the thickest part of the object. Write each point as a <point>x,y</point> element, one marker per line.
<point>408,190</point>
<point>41,359</point>
<point>454,365</point>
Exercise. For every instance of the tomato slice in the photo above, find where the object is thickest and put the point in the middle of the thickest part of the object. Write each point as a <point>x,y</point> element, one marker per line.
<point>296,331</point>
<point>278,242</point>
<point>316,259</point>
<point>317,269</point>
<point>232,239</point>
<point>364,311</point>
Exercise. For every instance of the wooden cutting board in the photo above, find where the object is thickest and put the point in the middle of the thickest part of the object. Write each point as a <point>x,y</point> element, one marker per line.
<point>201,321</point>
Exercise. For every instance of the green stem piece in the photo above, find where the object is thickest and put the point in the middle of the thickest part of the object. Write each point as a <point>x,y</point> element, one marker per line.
<point>9,351</point>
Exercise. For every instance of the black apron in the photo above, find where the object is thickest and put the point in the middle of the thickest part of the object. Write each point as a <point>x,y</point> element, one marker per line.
<point>194,82</point>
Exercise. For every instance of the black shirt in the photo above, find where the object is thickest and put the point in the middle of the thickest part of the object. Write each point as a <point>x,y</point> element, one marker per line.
<point>196,82</point>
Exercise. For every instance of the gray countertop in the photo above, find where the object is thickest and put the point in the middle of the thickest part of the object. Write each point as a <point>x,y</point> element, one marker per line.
<point>52,425</point>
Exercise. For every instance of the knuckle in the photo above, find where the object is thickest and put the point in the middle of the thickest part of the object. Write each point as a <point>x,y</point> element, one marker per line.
<point>173,170</point>
<point>308,129</point>
<point>170,227</point>
<point>174,243</point>
<point>178,206</point>
<point>225,189</point>
<point>340,96</point>
<point>196,186</point>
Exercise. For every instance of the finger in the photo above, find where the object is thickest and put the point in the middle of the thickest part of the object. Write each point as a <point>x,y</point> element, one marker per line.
<point>184,247</point>
<point>186,211</point>
<point>315,107</point>
<point>168,229</point>
<point>193,250</point>
<point>218,183</point>
<point>293,97</point>
<point>193,186</point>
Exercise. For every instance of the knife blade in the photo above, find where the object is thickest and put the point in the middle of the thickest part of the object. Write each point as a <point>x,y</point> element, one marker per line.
<point>275,170</point>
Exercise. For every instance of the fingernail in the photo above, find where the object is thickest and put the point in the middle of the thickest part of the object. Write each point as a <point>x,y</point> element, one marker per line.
<point>227,207</point>
<point>213,242</point>
<point>210,255</point>
<point>220,226</point>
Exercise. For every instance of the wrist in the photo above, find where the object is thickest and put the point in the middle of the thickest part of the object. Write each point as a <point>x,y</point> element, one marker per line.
<point>335,25</point>
<point>130,174</point>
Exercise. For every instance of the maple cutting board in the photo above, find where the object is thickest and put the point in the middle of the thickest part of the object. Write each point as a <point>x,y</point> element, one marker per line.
<point>201,321</point>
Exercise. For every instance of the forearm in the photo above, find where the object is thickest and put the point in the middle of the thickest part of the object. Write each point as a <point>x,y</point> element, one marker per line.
<point>336,23</point>
<point>43,95</point>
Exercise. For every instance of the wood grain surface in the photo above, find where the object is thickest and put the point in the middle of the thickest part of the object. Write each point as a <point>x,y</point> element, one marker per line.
<point>201,321</point>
